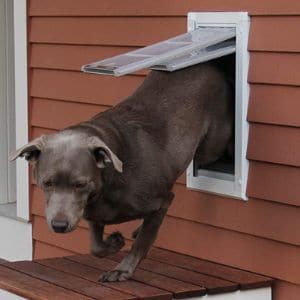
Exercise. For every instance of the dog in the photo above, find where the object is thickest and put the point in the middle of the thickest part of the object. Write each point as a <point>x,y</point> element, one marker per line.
<point>121,165</point>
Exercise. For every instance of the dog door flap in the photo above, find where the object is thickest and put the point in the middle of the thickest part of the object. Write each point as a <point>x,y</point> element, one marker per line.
<point>197,56</point>
<point>196,46</point>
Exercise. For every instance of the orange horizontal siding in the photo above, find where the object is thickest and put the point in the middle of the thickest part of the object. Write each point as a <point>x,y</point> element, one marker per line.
<point>43,250</point>
<point>38,131</point>
<point>274,182</point>
<point>275,33</point>
<point>105,31</point>
<point>267,34</point>
<point>274,104</point>
<point>256,217</point>
<point>276,144</point>
<point>275,68</point>
<point>60,114</point>
<point>54,56</point>
<point>151,8</point>
<point>81,87</point>
<point>284,290</point>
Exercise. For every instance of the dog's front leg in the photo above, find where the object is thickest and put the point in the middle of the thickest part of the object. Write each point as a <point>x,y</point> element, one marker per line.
<point>100,247</point>
<point>145,237</point>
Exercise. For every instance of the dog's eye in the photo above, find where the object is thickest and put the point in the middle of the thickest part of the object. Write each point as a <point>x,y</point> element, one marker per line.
<point>80,185</point>
<point>48,184</point>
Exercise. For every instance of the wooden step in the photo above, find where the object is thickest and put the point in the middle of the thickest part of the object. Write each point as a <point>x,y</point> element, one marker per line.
<point>162,275</point>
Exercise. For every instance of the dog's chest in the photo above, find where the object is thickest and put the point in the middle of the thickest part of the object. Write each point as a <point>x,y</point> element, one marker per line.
<point>111,211</point>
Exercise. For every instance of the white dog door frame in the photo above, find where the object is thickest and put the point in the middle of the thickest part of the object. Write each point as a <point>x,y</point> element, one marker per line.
<point>233,185</point>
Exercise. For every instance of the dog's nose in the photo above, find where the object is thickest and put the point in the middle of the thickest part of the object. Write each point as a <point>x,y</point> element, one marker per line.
<point>59,226</point>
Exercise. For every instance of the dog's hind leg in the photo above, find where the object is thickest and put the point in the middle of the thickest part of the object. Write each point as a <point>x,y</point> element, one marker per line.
<point>99,247</point>
<point>146,236</point>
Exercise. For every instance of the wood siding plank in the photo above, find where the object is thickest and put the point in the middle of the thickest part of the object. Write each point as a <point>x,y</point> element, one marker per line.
<point>274,182</point>
<point>284,290</point>
<point>43,250</point>
<point>256,217</point>
<point>274,104</point>
<point>105,31</point>
<point>275,33</point>
<point>275,68</point>
<point>150,8</point>
<point>275,144</point>
<point>80,87</point>
<point>53,56</point>
<point>45,113</point>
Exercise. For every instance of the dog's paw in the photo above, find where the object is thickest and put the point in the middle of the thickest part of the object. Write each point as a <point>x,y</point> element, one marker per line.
<point>111,245</point>
<point>115,242</point>
<point>115,275</point>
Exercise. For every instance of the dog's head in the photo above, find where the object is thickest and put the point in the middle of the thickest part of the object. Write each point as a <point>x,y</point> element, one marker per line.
<point>68,167</point>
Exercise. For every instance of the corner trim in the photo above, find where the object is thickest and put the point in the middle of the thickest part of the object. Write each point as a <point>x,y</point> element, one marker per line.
<point>21,105</point>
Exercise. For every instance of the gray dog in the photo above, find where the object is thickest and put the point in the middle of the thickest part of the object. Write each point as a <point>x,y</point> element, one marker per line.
<point>121,165</point>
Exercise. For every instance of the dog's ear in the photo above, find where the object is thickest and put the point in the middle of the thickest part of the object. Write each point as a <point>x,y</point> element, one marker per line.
<point>31,151</point>
<point>103,155</point>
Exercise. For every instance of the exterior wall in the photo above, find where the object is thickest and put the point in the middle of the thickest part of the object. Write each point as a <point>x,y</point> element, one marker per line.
<point>261,235</point>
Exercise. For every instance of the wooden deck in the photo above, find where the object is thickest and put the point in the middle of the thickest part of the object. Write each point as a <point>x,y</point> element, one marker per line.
<point>163,275</point>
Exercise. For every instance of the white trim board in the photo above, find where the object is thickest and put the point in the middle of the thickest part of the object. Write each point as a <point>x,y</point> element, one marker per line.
<point>9,296</point>
<point>16,239</point>
<point>7,171</point>
<point>255,294</point>
<point>21,105</point>
<point>16,234</point>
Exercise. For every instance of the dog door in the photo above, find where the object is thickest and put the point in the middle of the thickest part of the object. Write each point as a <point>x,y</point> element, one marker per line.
<point>210,36</point>
<point>228,175</point>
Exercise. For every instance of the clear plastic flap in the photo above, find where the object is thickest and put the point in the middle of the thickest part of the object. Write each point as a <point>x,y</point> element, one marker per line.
<point>172,54</point>
<point>197,56</point>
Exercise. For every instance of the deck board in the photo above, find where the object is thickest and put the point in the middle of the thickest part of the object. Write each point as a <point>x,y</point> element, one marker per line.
<point>33,288</point>
<point>244,279</point>
<point>162,276</point>
<point>91,273</point>
<point>176,287</point>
